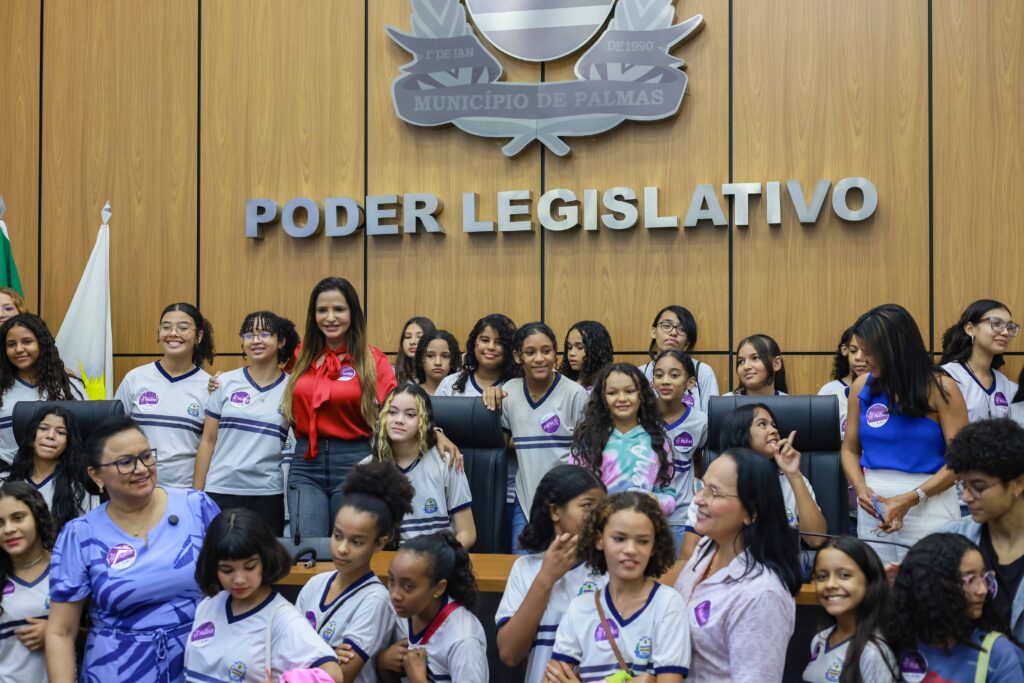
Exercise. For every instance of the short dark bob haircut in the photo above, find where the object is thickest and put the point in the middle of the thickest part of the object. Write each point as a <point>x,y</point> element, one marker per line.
<point>238,534</point>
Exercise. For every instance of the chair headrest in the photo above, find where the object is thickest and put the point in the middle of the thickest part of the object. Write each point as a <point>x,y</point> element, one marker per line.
<point>88,414</point>
<point>466,421</point>
<point>815,418</point>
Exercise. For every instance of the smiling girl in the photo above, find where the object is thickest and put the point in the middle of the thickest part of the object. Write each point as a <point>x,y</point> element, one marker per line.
<point>239,458</point>
<point>244,620</point>
<point>634,625</point>
<point>488,361</point>
<point>760,370</point>
<point>30,370</point>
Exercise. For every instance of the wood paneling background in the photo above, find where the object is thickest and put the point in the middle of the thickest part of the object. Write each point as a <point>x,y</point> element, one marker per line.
<point>179,110</point>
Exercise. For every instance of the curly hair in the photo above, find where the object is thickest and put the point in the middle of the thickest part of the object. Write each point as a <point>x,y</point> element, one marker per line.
<point>591,435</point>
<point>71,480</point>
<point>663,554</point>
<point>928,602</point>
<point>202,352</point>
<point>282,328</point>
<point>995,447</point>
<point>598,351</point>
<point>426,438</point>
<point>453,349</point>
<point>53,382</point>
<point>46,528</point>
<point>767,350</point>
<point>379,489</point>
<point>405,367</point>
<point>450,562</point>
<point>840,363</point>
<point>957,344</point>
<point>506,330</point>
<point>558,487</point>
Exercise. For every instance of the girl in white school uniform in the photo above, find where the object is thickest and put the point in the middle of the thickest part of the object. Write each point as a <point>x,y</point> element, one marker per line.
<point>30,370</point>
<point>350,607</point>
<point>634,625</point>
<point>972,353</point>
<point>675,329</point>
<point>244,630</point>
<point>760,370</point>
<point>239,461</point>
<point>437,357</point>
<point>27,535</point>
<point>405,438</point>
<point>434,593</point>
<point>167,398</point>
<point>488,361</point>
<point>847,365</point>
<point>540,412</point>
<point>542,584</point>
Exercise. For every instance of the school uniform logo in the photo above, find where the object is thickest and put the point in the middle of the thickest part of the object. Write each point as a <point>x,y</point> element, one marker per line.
<point>1000,399</point>
<point>913,666</point>
<point>236,672</point>
<point>702,613</point>
<point>193,409</point>
<point>643,648</point>
<point>203,635</point>
<point>790,517</point>
<point>683,440</point>
<point>877,415</point>
<point>240,398</point>
<point>588,587</point>
<point>832,675</point>
<point>148,400</point>
<point>8,587</point>
<point>627,74</point>
<point>348,374</point>
<point>121,556</point>
<point>430,507</point>
<point>329,630</point>
<point>550,423</point>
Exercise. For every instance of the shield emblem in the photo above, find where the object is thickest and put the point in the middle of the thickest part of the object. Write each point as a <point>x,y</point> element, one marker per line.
<point>539,30</point>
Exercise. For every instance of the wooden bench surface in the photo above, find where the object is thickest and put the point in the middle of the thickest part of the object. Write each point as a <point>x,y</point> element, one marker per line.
<point>491,573</point>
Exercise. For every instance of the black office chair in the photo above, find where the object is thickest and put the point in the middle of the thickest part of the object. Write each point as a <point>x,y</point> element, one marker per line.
<point>816,421</point>
<point>478,434</point>
<point>87,414</point>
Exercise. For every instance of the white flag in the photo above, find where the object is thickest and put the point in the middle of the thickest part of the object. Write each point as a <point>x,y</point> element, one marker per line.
<point>85,340</point>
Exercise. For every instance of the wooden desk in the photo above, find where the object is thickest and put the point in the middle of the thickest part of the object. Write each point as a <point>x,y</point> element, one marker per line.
<point>491,574</point>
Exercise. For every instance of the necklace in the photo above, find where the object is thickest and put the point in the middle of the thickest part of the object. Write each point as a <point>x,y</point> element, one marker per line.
<point>33,562</point>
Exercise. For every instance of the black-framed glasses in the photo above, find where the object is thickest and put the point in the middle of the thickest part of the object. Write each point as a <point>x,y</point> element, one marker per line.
<point>667,327</point>
<point>126,463</point>
<point>998,325</point>
<point>262,335</point>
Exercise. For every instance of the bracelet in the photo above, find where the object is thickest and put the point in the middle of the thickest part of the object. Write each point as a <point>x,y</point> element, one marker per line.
<point>438,430</point>
<point>921,495</point>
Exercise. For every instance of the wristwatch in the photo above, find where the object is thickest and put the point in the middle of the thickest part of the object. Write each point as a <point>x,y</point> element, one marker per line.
<point>921,495</point>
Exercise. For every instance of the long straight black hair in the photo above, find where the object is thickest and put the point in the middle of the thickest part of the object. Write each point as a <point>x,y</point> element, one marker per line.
<point>957,344</point>
<point>889,334</point>
<point>768,540</point>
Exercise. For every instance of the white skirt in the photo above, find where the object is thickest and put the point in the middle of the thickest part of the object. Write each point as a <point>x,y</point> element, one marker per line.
<point>921,520</point>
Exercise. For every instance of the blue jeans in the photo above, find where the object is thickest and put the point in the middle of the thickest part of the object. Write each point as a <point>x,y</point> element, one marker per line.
<point>314,486</point>
<point>519,522</point>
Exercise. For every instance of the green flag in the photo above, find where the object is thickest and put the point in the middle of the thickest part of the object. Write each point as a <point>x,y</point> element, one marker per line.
<point>8,270</point>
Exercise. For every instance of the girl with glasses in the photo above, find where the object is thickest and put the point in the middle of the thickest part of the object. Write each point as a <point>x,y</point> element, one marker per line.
<point>972,353</point>
<point>675,329</point>
<point>943,625</point>
<point>239,461</point>
<point>986,456</point>
<point>167,398</point>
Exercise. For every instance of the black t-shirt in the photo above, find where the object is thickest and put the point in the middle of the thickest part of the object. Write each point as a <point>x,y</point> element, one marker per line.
<point>1008,576</point>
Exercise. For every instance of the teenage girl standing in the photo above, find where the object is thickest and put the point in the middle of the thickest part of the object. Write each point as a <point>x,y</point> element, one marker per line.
<point>675,329</point>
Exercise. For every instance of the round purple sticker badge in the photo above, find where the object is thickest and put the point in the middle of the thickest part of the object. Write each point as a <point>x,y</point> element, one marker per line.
<point>121,556</point>
<point>913,666</point>
<point>999,398</point>
<point>550,423</point>
<point>877,415</point>
<point>8,587</point>
<point>240,398</point>
<point>202,634</point>
<point>702,612</point>
<point>600,635</point>
<point>148,400</point>
<point>683,440</point>
<point>688,400</point>
<point>311,618</point>
<point>347,373</point>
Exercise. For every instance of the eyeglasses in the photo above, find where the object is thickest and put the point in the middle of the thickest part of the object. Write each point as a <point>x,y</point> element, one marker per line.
<point>668,328</point>
<point>998,325</point>
<point>126,464</point>
<point>262,335</point>
<point>9,309</point>
<point>699,488</point>
<point>182,328</point>
<point>989,577</point>
<point>974,490</point>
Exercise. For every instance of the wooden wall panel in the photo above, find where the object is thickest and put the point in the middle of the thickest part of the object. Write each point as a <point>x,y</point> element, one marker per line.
<point>19,136</point>
<point>624,278</point>
<point>978,89</point>
<point>282,117</point>
<point>456,278</point>
<point>119,123</point>
<point>826,89</point>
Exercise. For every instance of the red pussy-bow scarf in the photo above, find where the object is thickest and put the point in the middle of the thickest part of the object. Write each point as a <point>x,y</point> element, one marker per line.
<point>325,375</point>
